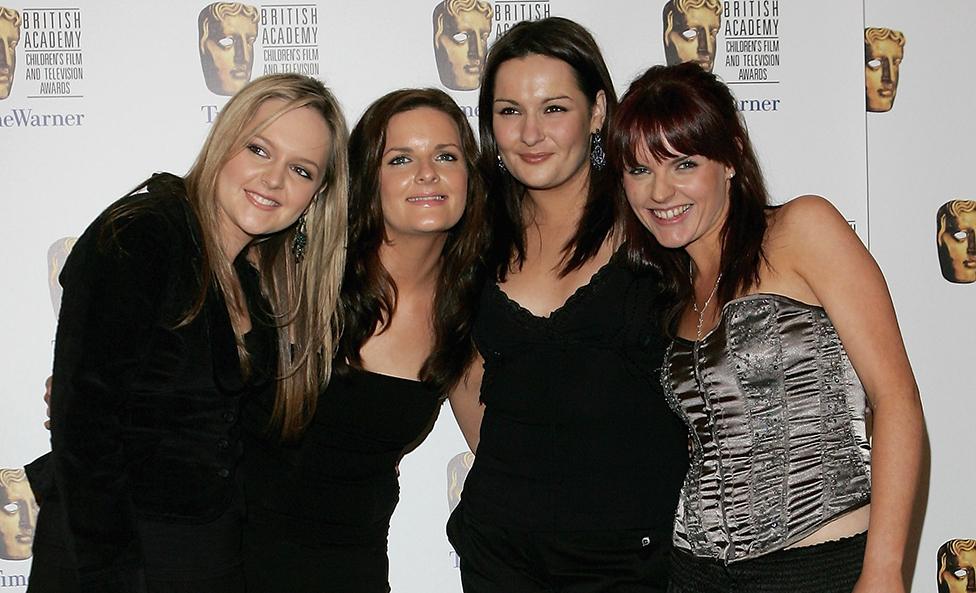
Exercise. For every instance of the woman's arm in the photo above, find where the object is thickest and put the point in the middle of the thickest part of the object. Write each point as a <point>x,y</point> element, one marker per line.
<point>112,300</point>
<point>466,403</point>
<point>848,283</point>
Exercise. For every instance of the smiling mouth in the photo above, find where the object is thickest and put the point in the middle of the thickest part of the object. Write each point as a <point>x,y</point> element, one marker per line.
<point>426,200</point>
<point>260,200</point>
<point>25,539</point>
<point>668,215</point>
<point>535,157</point>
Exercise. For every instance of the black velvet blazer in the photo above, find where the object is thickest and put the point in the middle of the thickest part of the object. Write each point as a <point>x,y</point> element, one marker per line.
<point>144,414</point>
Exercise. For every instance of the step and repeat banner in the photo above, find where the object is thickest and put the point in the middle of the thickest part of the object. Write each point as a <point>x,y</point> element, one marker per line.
<point>865,103</point>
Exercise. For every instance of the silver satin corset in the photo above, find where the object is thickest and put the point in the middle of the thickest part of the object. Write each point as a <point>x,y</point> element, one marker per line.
<point>776,418</point>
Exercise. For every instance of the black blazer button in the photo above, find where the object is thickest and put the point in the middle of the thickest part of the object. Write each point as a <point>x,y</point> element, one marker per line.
<point>229,416</point>
<point>223,444</point>
<point>223,472</point>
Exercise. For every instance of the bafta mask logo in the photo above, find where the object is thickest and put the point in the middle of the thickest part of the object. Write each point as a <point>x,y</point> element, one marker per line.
<point>461,30</point>
<point>18,515</point>
<point>227,31</point>
<point>691,31</point>
<point>57,254</point>
<point>457,470</point>
<point>9,38</point>
<point>956,239</point>
<point>957,566</point>
<point>883,52</point>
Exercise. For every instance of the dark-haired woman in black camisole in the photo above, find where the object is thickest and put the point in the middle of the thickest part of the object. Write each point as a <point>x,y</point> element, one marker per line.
<point>578,459</point>
<point>319,507</point>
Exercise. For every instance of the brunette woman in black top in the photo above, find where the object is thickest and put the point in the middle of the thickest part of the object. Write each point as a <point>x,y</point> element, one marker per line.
<point>320,506</point>
<point>578,459</point>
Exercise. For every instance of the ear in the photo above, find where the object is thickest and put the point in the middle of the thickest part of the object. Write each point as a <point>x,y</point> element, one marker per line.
<point>599,111</point>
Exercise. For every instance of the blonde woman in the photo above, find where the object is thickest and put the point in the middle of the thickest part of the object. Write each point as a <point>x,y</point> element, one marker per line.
<point>178,302</point>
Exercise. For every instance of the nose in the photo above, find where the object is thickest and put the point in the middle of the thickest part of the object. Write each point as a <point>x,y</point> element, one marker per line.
<point>703,42</point>
<point>274,175</point>
<point>970,579</point>
<point>885,71</point>
<point>5,55</point>
<point>971,242</point>
<point>240,51</point>
<point>426,173</point>
<point>476,47</point>
<point>25,523</point>
<point>661,188</point>
<point>531,130</point>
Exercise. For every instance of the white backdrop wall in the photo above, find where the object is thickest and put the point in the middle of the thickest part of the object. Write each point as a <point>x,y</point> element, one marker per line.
<point>104,94</point>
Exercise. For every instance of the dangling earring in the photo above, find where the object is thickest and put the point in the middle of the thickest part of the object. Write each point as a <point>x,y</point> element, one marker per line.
<point>300,240</point>
<point>598,158</point>
<point>501,163</point>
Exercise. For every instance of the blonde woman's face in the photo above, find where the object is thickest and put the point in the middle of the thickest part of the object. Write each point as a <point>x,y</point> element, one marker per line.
<point>266,186</point>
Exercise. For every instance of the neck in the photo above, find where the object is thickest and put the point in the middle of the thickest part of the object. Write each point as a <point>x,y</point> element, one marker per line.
<point>706,257</point>
<point>560,206</point>
<point>413,261</point>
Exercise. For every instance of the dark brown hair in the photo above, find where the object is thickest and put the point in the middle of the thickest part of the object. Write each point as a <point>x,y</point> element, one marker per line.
<point>368,297</point>
<point>692,112</point>
<point>564,40</point>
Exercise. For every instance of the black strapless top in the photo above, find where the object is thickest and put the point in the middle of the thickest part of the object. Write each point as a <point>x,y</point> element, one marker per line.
<point>576,432</point>
<point>338,484</point>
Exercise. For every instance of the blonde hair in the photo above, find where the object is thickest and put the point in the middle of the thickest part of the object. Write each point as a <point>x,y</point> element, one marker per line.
<point>303,293</point>
<point>218,11</point>
<point>873,34</point>
<point>9,14</point>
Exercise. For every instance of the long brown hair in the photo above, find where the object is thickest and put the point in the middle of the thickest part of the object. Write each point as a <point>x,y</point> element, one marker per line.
<point>564,40</point>
<point>369,294</point>
<point>303,294</point>
<point>693,112</point>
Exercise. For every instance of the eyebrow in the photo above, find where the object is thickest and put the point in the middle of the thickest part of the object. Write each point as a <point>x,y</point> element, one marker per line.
<point>545,100</point>
<point>410,150</point>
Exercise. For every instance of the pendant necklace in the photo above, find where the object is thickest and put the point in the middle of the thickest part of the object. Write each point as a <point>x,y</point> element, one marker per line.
<point>704,307</point>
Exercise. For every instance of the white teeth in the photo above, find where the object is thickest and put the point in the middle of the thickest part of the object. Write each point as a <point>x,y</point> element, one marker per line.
<point>427,198</point>
<point>262,200</point>
<point>671,212</point>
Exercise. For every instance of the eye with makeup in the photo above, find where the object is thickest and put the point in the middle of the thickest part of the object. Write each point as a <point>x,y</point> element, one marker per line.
<point>302,172</point>
<point>258,150</point>
<point>400,159</point>
<point>638,170</point>
<point>507,110</point>
<point>685,164</point>
<point>873,64</point>
<point>446,157</point>
<point>555,109</point>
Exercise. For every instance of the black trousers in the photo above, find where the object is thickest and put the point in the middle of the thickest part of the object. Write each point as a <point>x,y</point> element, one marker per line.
<point>830,567</point>
<point>499,560</point>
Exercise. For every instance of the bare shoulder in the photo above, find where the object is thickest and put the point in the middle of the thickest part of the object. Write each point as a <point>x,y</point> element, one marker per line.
<point>809,212</point>
<point>809,226</point>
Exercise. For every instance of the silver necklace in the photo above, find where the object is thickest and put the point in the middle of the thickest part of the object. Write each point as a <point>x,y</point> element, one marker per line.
<point>694,303</point>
